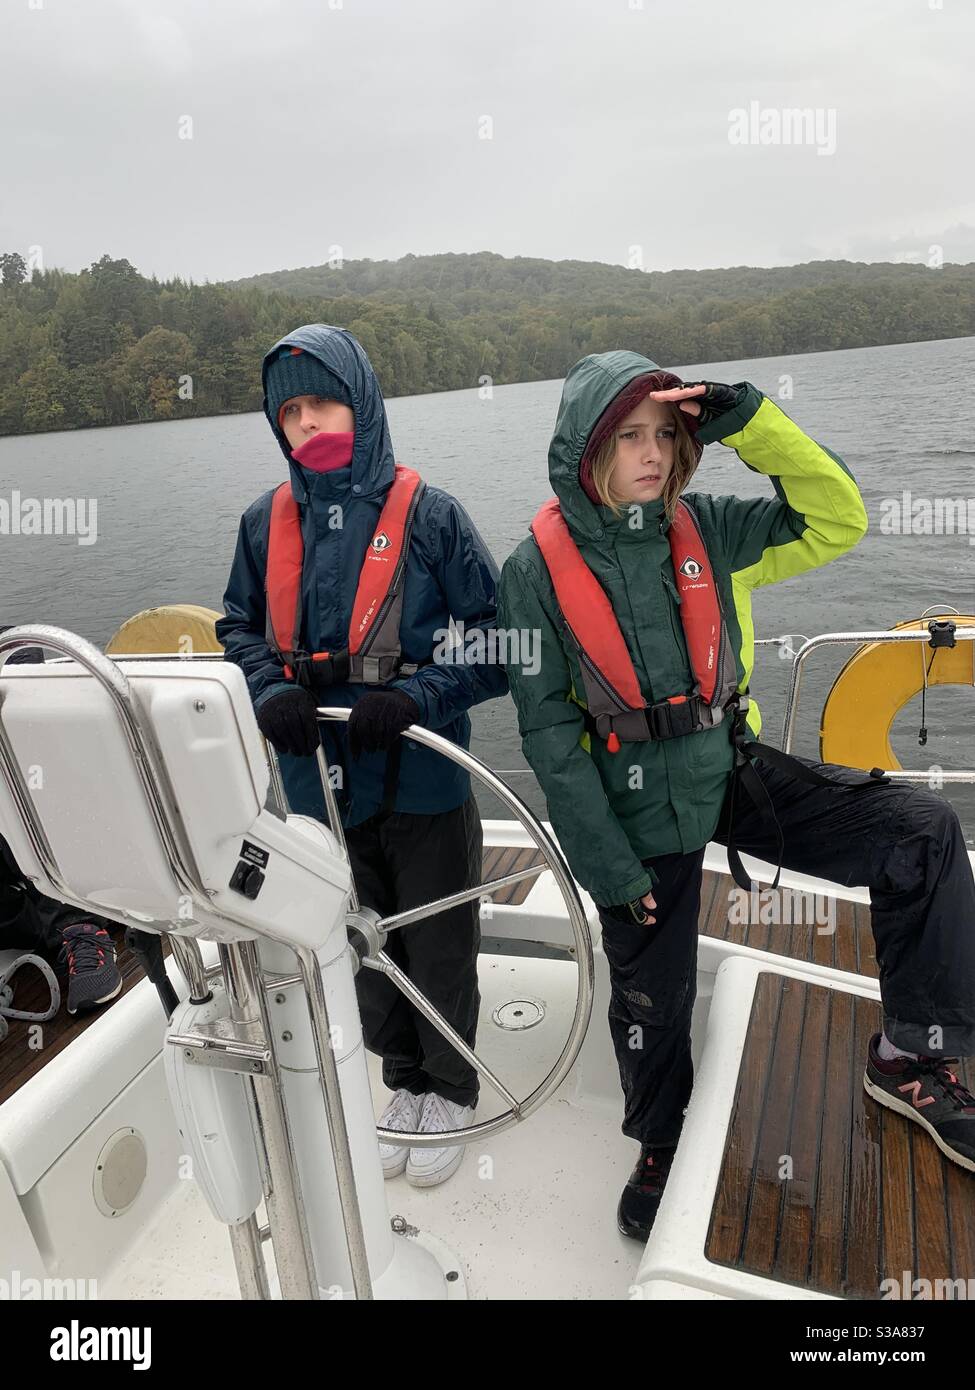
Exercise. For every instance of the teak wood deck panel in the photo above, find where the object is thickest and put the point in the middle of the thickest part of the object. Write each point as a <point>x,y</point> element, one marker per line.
<point>868,1197</point>
<point>499,861</point>
<point>848,947</point>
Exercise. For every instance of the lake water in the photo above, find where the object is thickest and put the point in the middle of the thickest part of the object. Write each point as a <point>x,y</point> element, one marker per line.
<point>169,496</point>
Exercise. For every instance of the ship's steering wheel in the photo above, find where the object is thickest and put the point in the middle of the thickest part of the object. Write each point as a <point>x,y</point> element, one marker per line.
<point>368,933</point>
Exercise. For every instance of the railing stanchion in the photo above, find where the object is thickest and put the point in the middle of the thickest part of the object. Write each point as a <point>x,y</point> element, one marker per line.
<point>286,1213</point>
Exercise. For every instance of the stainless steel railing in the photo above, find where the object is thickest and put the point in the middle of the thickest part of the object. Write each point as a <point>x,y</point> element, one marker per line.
<point>828,639</point>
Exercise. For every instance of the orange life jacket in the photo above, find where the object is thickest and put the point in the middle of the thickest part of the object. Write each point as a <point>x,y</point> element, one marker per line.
<point>373,654</point>
<point>613,697</point>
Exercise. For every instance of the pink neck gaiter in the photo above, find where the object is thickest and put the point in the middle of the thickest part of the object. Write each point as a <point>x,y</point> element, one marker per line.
<point>324,452</point>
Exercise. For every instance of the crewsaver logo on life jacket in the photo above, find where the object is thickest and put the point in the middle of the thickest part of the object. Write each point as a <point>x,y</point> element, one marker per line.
<point>690,568</point>
<point>381,541</point>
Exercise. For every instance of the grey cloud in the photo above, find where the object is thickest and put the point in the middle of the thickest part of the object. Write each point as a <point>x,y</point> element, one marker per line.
<point>358,126</point>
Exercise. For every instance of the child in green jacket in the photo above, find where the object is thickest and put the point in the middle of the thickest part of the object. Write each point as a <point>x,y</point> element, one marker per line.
<point>637,719</point>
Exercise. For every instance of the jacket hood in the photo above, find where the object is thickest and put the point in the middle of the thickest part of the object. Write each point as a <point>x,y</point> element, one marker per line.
<point>598,392</point>
<point>373,465</point>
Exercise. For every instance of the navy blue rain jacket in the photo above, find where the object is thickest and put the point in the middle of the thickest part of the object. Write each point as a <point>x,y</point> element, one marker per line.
<point>450,573</point>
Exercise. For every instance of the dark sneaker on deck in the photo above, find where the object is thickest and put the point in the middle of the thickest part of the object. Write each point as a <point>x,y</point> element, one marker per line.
<point>929,1092</point>
<point>641,1195</point>
<point>93,976</point>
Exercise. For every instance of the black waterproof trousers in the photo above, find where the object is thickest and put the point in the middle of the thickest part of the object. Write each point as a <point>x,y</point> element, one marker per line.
<point>902,841</point>
<point>401,861</point>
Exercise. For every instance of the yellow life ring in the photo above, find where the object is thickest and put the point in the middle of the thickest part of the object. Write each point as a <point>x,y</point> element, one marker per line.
<point>176,628</point>
<point>877,682</point>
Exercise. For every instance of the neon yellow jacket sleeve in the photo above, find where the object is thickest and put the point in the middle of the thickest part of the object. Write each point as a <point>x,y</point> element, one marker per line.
<point>817,513</point>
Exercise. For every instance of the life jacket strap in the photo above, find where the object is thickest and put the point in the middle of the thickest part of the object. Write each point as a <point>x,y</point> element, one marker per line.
<point>319,670</point>
<point>672,718</point>
<point>377,670</point>
<point>315,669</point>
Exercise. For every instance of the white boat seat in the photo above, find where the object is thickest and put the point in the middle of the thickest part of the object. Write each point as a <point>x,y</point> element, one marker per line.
<point>789,1181</point>
<point>678,1245</point>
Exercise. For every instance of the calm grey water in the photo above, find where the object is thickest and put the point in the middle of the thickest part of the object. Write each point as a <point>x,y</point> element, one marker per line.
<point>169,497</point>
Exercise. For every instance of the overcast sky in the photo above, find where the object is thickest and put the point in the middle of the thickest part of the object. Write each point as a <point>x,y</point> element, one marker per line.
<point>359,124</point>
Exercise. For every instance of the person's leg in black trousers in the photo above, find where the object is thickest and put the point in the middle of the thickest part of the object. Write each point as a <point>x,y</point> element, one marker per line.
<point>28,920</point>
<point>431,857</point>
<point>388,1019</point>
<point>653,985</point>
<point>905,844</point>
<point>402,861</point>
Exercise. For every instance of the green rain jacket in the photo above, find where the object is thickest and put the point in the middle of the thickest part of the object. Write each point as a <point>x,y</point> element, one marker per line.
<point>611,810</point>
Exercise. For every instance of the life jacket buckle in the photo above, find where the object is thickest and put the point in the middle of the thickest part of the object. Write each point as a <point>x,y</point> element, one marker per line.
<point>313,670</point>
<point>672,718</point>
<point>329,668</point>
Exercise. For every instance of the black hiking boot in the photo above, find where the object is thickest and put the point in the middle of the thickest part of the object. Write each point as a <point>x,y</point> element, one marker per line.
<point>644,1188</point>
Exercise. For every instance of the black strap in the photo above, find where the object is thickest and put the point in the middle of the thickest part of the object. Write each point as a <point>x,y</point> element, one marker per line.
<point>656,723</point>
<point>745,774</point>
<point>785,762</point>
<point>746,752</point>
<point>317,676</point>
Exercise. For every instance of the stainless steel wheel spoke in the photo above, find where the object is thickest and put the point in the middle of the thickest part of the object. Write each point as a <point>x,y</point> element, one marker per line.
<point>415,914</point>
<point>405,985</point>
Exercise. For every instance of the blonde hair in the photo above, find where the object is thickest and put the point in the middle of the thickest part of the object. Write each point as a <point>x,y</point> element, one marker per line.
<point>685,464</point>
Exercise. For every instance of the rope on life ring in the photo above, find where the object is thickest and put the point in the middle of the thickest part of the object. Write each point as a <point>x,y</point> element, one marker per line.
<point>177,628</point>
<point>877,682</point>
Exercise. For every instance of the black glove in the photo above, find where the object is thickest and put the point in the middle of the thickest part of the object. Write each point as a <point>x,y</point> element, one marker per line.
<point>716,400</point>
<point>288,721</point>
<point>634,914</point>
<point>378,719</point>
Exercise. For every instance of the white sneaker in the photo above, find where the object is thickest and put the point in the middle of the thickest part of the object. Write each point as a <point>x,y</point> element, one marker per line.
<point>427,1167</point>
<point>402,1112</point>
